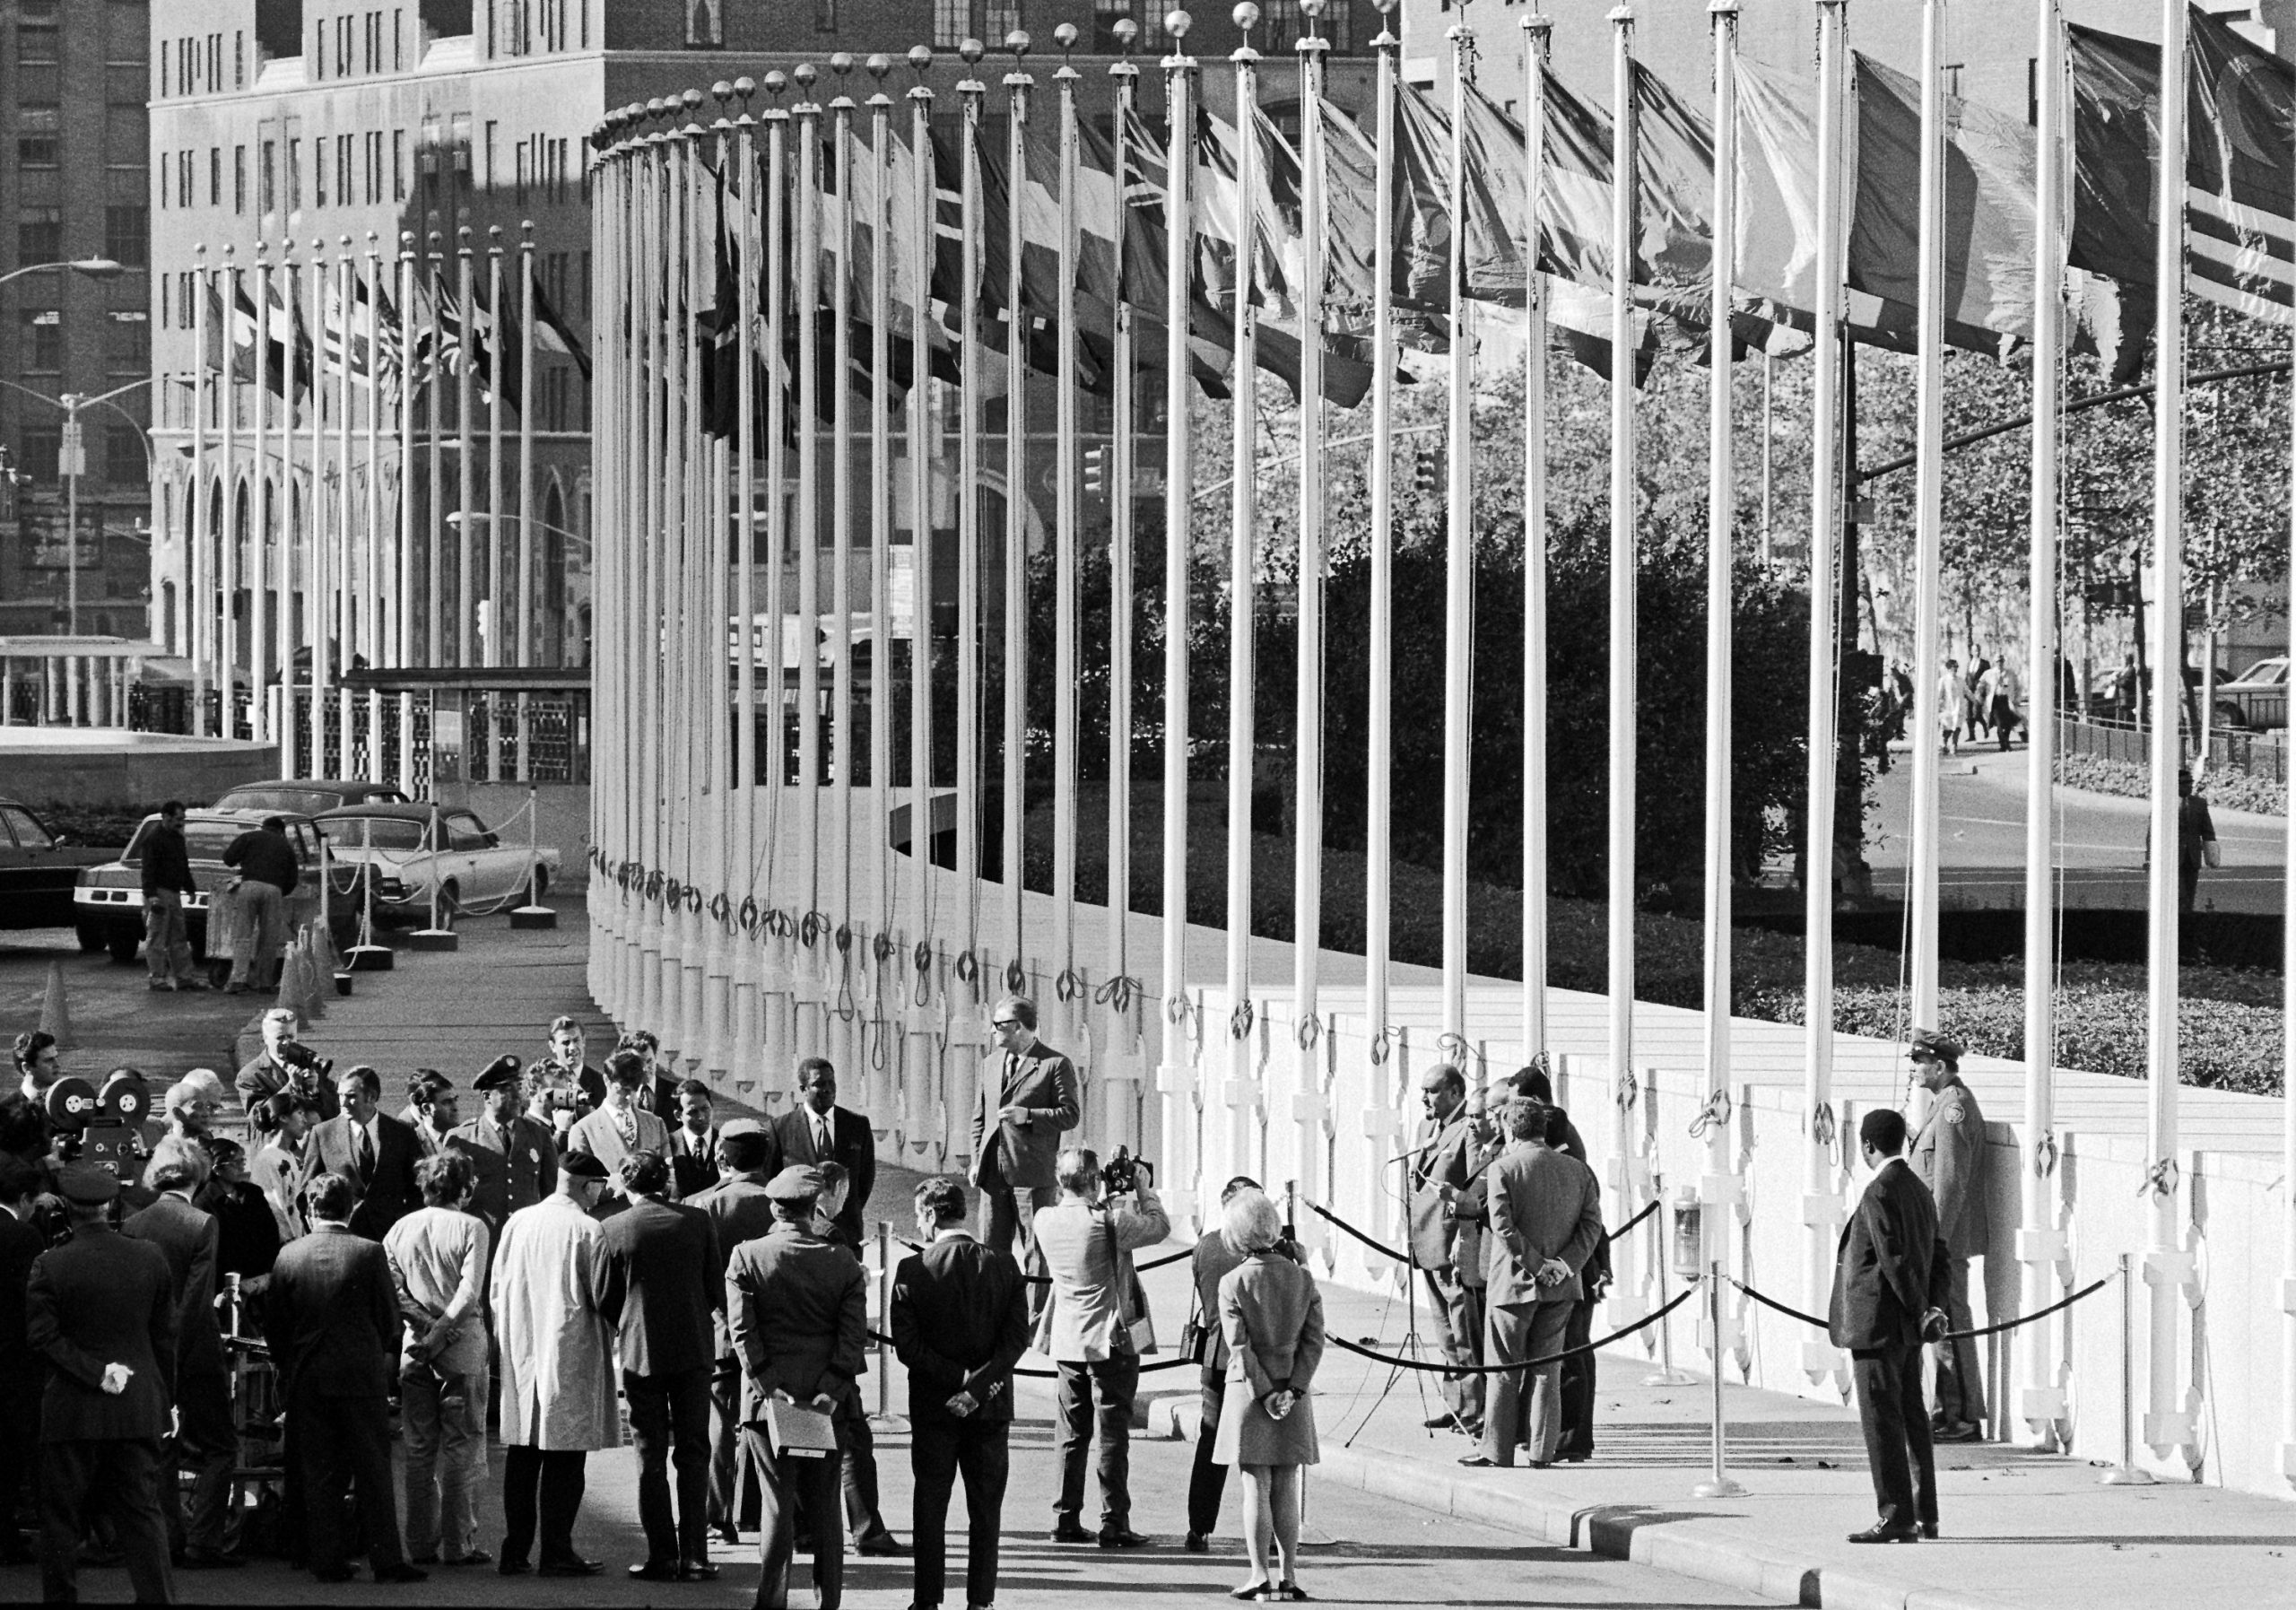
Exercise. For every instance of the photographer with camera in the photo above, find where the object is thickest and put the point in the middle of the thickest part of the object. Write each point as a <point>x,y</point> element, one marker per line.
<point>286,1064</point>
<point>1095,1327</point>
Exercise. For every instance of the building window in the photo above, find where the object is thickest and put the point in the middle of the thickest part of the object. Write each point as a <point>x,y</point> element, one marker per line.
<point>342,47</point>
<point>398,164</point>
<point>459,137</point>
<point>37,44</point>
<point>125,464</point>
<point>492,127</point>
<point>239,61</point>
<point>268,179</point>
<point>37,450</point>
<point>39,235</point>
<point>952,23</point>
<point>127,344</point>
<point>183,178</point>
<point>398,42</point>
<point>38,136</point>
<point>214,177</point>
<point>824,16</point>
<point>43,344</point>
<point>701,25</point>
<point>318,172</point>
<point>240,179</point>
<point>127,235</point>
<point>342,192</point>
<point>294,176</point>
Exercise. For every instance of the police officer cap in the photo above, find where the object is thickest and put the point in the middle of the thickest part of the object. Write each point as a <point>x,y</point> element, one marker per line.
<point>1942,1048</point>
<point>87,1185</point>
<point>581,1165</point>
<point>733,1127</point>
<point>796,1183</point>
<point>499,1073</point>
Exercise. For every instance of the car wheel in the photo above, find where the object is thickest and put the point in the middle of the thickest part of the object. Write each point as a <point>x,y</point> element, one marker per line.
<point>123,947</point>
<point>91,940</point>
<point>450,903</point>
<point>537,885</point>
<point>219,973</point>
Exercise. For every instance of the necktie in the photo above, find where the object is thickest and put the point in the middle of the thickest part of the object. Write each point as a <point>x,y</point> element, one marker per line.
<point>820,1138</point>
<point>366,1152</point>
<point>1011,1073</point>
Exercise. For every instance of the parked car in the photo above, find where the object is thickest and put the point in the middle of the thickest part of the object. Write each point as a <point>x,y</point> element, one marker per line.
<point>2258,698</point>
<point>413,849</point>
<point>38,870</point>
<point>306,797</point>
<point>107,903</point>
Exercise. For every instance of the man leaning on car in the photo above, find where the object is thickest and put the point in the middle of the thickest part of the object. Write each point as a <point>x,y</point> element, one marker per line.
<point>167,879</point>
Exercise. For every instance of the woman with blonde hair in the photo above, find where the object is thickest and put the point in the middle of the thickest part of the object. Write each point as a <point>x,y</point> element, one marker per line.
<point>1274,1321</point>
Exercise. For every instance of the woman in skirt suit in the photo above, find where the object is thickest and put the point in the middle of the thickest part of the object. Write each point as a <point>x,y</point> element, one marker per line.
<point>1274,1321</point>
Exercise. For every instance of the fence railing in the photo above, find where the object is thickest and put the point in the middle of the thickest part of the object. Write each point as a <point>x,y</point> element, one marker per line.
<point>2263,755</point>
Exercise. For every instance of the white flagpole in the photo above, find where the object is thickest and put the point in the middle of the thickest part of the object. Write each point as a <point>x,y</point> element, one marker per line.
<point>972,91</point>
<point>319,606</point>
<point>1721,1188</point>
<point>683,472</point>
<point>2040,1245</point>
<point>605,743</point>
<point>1176,1073</point>
<point>717,688</point>
<point>293,510</point>
<point>1379,756</point>
<point>227,541</point>
<point>749,1025</point>
<point>403,559</point>
<point>777,998</point>
<point>1307,701</point>
<point>1121,1115</point>
<point>434,574</point>
<point>924,448</point>
<point>2167,1267</point>
<point>2288,1057</point>
<point>881,527</point>
<point>258,561</point>
<point>1067,516</point>
<point>197,584</point>
<point>343,615</point>
<point>1458,576</point>
<point>1242,1094</point>
<point>1622,604</point>
<point>1537,37</point>
<point>1929,474</point>
<point>841,521</point>
<point>465,449</point>
<point>807,114</point>
<point>1017,322</point>
<point>647,555</point>
<point>1821,1194</point>
<point>523,617</point>
<point>498,610</point>
<point>373,593</point>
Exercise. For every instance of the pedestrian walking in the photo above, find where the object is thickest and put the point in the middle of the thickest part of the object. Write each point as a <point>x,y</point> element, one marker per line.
<point>1031,1095</point>
<point>555,1307</point>
<point>2196,845</point>
<point>1888,1295</point>
<point>619,1127</point>
<point>1271,1318</point>
<point>1438,1172</point>
<point>2126,688</point>
<point>664,1260</point>
<point>959,1318</point>
<point>167,880</point>
<point>438,1257</point>
<point>1087,1328</point>
<point>1950,1155</point>
<point>741,1212</point>
<point>2008,694</point>
<point>100,1311</point>
<point>1952,707</point>
<point>268,871</point>
<point>513,1157</point>
<point>797,1305</point>
<point>331,1319</point>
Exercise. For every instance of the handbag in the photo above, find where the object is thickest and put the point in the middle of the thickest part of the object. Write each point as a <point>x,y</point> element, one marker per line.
<point>1196,1338</point>
<point>2212,852</point>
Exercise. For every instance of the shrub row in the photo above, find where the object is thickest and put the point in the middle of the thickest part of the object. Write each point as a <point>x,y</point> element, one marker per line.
<point>2233,790</point>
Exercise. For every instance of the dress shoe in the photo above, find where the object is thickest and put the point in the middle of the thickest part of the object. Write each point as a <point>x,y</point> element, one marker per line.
<point>477,1556</point>
<point>1930,1531</point>
<point>1122,1537</point>
<point>1439,1422</point>
<point>400,1572</point>
<point>569,1568</point>
<point>1476,1461</point>
<point>1878,1533</point>
<point>1196,1543</point>
<point>512,1568</point>
<point>332,1573</point>
<point>731,1536</point>
<point>697,1571</point>
<point>1960,1432</point>
<point>655,1570</point>
<point>885,1545</point>
<point>210,1559</point>
<point>1069,1531</point>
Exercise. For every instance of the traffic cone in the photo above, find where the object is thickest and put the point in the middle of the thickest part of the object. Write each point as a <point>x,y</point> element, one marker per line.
<point>55,1015</point>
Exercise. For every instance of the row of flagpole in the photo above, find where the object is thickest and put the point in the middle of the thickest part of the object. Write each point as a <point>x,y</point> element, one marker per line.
<point>679,825</point>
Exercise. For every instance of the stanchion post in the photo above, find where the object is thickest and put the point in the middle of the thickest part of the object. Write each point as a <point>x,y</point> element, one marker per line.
<point>435,937</point>
<point>534,914</point>
<point>2128,1473</point>
<point>1718,1484</point>
<point>885,1419</point>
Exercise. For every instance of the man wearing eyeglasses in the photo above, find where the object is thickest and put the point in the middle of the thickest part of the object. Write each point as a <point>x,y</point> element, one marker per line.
<point>1030,1097</point>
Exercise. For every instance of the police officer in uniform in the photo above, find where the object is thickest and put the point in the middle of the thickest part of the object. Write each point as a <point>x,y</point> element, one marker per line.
<point>1949,1153</point>
<point>514,1158</point>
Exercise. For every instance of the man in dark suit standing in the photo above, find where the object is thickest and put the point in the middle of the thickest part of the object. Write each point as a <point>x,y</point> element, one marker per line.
<point>817,1130</point>
<point>960,1323</point>
<point>514,1158</point>
<point>665,1257</point>
<point>799,1315</point>
<point>659,1094</point>
<point>370,1150</point>
<point>21,1368</point>
<point>1888,1294</point>
<point>331,1318</point>
<point>100,1308</point>
<point>1030,1097</point>
<point>204,1443</point>
<point>1440,1168</point>
<point>1577,1441</point>
<point>740,1211</point>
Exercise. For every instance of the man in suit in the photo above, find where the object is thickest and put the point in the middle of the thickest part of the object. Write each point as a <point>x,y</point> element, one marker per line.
<point>1546,1216</point>
<point>1577,1441</point>
<point>21,1368</point>
<point>817,1130</point>
<point>856,1443</point>
<point>619,1127</point>
<point>1438,1171</point>
<point>665,1255</point>
<point>562,1087</point>
<point>1889,1293</point>
<point>960,1320</point>
<point>1030,1097</point>
<point>1208,1265</point>
<point>371,1151</point>
<point>331,1318</point>
<point>205,1444</point>
<point>513,1158</point>
<point>660,1094</point>
<point>692,1155</point>
<point>1949,1153</point>
<point>100,1310</point>
<point>1085,1328</point>
<point>741,1212</point>
<point>798,1308</point>
<point>284,1063</point>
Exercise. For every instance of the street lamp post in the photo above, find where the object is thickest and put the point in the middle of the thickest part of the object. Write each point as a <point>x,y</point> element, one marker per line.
<point>94,268</point>
<point>74,464</point>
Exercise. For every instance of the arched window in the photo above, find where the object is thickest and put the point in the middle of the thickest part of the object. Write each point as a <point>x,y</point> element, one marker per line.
<point>703,26</point>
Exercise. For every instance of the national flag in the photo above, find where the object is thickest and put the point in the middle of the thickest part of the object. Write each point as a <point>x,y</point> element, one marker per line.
<point>554,335</point>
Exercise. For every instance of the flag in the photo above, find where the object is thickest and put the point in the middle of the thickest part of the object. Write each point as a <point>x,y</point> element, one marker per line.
<point>340,331</point>
<point>1284,333</point>
<point>553,334</point>
<point>284,331</point>
<point>231,332</point>
<point>717,328</point>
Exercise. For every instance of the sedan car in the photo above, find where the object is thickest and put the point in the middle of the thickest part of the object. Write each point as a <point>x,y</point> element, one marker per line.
<point>108,904</point>
<point>2258,698</point>
<point>415,848</point>
<point>38,870</point>
<point>306,797</point>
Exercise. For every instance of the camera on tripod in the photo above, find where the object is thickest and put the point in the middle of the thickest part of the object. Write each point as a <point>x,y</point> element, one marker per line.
<point>1122,1173</point>
<point>104,1127</point>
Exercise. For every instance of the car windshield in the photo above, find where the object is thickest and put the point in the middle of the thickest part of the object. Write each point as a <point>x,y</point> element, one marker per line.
<point>206,839</point>
<point>2270,673</point>
<point>301,802</point>
<point>382,832</point>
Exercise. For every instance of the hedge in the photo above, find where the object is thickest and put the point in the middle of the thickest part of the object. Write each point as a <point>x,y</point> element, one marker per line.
<point>2233,790</point>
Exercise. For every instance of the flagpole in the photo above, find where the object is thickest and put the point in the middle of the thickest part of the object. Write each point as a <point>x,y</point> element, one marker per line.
<point>1382,1116</point>
<point>1820,1193</point>
<point>840,523</point>
<point>648,557</point>
<point>1623,602</point>
<point>688,467</point>
<point>1458,575</point>
<point>1929,472</point>
<point>716,672</point>
<point>466,448</point>
<point>227,559</point>
<point>812,1024</point>
<point>880,534</point>
<point>373,593</point>
<point>973,92</point>
<point>195,577</point>
<point>259,724</point>
<point>497,382</point>
<point>293,515</point>
<point>922,447</point>
<point>605,739</point>
<point>343,615</point>
<point>525,614</point>
<point>2040,1245</point>
<point>1242,1094</point>
<point>1538,31</point>
<point>1017,331</point>
<point>402,567</point>
<point>319,603</point>
<point>1121,1114</point>
<point>1067,515</point>
<point>434,434</point>
<point>777,1000</point>
<point>749,1024</point>
<point>2168,1267</point>
<point>1176,1073</point>
<point>1307,691</point>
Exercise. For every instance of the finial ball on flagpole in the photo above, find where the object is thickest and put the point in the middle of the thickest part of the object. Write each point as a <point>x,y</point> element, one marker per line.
<point>878,64</point>
<point>776,81</point>
<point>1313,9</point>
<point>1125,31</point>
<point>1176,23</point>
<point>840,62</point>
<point>920,57</point>
<point>1246,16</point>
<point>692,100</point>
<point>973,51</point>
<point>804,74</point>
<point>1018,42</point>
<point>1064,36</point>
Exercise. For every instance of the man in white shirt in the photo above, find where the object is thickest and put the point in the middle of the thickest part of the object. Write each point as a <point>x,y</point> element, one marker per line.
<point>438,1255</point>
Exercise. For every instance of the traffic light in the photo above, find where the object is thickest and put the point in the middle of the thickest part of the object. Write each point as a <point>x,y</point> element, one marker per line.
<point>1426,473</point>
<point>1096,471</point>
